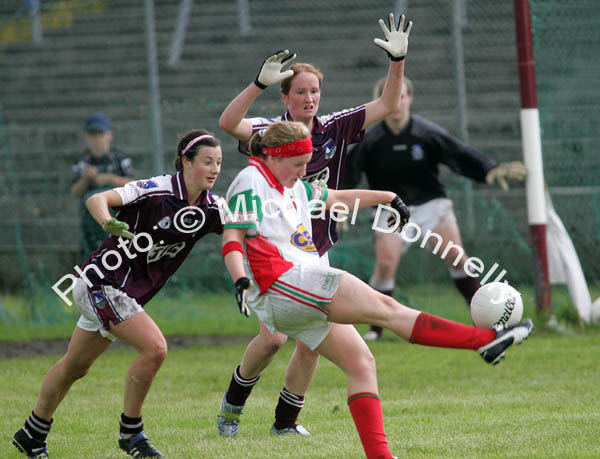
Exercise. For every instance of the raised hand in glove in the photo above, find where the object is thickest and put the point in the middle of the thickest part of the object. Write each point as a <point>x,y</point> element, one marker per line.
<point>396,40</point>
<point>241,292</point>
<point>117,228</point>
<point>270,71</point>
<point>403,211</point>
<point>514,170</point>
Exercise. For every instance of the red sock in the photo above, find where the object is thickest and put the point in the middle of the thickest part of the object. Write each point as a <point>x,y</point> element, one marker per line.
<point>431,330</point>
<point>365,408</point>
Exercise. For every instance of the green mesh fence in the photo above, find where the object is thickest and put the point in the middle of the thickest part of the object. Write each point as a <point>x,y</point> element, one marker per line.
<point>92,57</point>
<point>569,102</point>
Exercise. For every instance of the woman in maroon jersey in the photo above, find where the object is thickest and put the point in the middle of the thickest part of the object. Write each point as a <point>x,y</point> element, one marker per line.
<point>166,215</point>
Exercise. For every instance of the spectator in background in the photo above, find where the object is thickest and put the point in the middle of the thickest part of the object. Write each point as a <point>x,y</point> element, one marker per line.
<point>101,168</point>
<point>402,154</point>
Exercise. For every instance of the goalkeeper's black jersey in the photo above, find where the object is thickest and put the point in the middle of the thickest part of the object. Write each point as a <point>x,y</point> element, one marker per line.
<point>407,163</point>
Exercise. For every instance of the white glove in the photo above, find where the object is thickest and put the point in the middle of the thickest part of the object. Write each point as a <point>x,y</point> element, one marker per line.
<point>397,39</point>
<point>270,71</point>
<point>514,170</point>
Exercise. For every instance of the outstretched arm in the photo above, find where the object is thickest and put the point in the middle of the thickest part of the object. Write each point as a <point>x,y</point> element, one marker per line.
<point>233,119</point>
<point>366,198</point>
<point>396,45</point>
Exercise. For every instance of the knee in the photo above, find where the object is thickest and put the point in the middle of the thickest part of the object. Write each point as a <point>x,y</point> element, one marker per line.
<point>364,363</point>
<point>78,372</point>
<point>389,305</point>
<point>156,354</point>
<point>274,343</point>
<point>73,371</point>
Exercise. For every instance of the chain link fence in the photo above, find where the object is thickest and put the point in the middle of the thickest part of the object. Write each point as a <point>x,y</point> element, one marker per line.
<point>62,60</point>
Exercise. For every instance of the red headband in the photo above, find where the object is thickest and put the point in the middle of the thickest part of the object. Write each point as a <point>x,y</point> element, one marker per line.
<point>295,148</point>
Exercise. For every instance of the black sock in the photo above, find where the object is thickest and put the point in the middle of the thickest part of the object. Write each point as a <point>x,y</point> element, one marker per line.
<point>240,388</point>
<point>37,427</point>
<point>467,286</point>
<point>130,426</point>
<point>288,408</point>
<point>375,328</point>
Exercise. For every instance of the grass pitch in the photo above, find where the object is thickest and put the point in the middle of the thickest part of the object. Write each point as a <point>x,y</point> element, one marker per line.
<point>541,401</point>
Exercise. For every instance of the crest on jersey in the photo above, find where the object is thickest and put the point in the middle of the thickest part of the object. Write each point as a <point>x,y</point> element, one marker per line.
<point>99,300</point>
<point>302,240</point>
<point>329,148</point>
<point>145,184</point>
<point>165,223</point>
<point>417,152</point>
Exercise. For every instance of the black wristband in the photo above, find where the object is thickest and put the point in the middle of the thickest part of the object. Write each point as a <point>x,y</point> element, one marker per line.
<point>259,84</point>
<point>396,59</point>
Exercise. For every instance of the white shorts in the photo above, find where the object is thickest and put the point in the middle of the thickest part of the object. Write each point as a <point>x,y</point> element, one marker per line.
<point>296,304</point>
<point>423,217</point>
<point>100,305</point>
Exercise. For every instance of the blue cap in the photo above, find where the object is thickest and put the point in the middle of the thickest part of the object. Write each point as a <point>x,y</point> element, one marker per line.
<point>97,122</point>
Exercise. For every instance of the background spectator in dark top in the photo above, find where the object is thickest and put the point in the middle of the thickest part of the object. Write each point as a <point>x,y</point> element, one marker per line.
<point>101,168</point>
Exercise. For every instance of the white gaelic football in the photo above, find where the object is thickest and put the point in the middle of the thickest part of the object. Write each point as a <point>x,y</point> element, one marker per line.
<point>496,303</point>
<point>595,315</point>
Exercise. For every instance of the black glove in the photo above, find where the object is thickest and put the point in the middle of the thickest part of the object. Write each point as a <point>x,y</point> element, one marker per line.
<point>398,205</point>
<point>241,292</point>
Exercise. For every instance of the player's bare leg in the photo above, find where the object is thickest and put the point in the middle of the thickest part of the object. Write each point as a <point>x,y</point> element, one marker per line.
<point>84,348</point>
<point>456,258</point>
<point>388,251</point>
<point>298,376</point>
<point>260,352</point>
<point>345,348</point>
<point>144,335</point>
<point>355,302</point>
<point>301,369</point>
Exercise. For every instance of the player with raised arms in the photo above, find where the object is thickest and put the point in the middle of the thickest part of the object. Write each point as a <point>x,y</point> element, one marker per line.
<point>173,212</point>
<point>277,272</point>
<point>331,135</point>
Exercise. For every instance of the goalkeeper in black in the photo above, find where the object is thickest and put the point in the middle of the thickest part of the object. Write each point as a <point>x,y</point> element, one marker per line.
<point>402,154</point>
